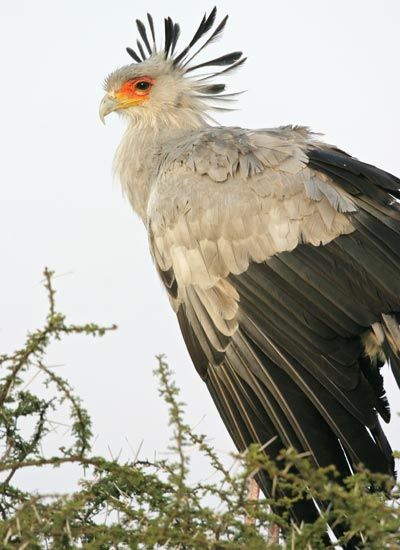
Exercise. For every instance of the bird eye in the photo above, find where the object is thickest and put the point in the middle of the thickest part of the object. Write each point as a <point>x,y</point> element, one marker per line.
<point>142,85</point>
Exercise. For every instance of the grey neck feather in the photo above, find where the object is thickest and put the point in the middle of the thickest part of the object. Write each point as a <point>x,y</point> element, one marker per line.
<point>135,161</point>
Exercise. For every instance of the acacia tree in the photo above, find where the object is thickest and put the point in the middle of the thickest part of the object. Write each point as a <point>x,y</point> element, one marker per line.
<point>150,504</point>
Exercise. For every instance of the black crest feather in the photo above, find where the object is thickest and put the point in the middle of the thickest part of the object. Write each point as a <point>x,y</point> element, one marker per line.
<point>175,36</point>
<point>141,50</point>
<point>213,37</point>
<point>143,34</point>
<point>227,59</point>
<point>133,54</point>
<point>204,27</point>
<point>168,25</point>
<point>151,25</point>
<point>182,61</point>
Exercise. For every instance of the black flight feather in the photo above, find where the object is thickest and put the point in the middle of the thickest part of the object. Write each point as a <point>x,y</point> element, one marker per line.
<point>343,163</point>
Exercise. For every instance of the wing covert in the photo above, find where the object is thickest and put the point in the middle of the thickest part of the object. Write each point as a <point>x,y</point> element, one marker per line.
<point>204,227</point>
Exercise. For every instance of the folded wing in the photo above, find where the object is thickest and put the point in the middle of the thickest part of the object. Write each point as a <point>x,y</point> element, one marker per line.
<point>281,257</point>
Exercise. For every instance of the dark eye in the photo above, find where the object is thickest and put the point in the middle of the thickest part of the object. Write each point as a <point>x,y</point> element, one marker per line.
<point>142,85</point>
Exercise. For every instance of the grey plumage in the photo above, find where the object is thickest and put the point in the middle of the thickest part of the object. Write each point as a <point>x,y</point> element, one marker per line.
<point>280,255</point>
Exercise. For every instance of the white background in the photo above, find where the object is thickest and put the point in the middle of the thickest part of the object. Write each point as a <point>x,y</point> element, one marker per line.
<point>332,65</point>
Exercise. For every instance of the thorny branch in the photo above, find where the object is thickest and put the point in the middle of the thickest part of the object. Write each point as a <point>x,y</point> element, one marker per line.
<point>148,504</point>
<point>20,449</point>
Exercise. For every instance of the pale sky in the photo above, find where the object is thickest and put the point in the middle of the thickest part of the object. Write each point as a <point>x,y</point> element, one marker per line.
<point>331,65</point>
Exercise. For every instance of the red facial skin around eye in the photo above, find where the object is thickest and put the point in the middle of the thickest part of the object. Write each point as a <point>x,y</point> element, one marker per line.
<point>129,88</point>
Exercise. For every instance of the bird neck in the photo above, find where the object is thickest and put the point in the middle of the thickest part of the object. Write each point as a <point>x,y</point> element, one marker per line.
<point>136,157</point>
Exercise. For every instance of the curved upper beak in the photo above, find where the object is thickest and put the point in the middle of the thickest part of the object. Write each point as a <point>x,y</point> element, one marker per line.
<point>108,104</point>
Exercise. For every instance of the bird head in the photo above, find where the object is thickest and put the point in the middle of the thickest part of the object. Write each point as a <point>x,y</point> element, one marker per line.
<point>164,83</point>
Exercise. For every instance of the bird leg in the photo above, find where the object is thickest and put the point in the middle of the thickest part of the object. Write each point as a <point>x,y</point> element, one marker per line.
<point>252,494</point>
<point>273,533</point>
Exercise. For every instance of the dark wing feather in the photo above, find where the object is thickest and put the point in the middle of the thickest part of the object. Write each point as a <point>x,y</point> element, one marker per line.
<point>365,178</point>
<point>288,374</point>
<point>242,413</point>
<point>375,193</point>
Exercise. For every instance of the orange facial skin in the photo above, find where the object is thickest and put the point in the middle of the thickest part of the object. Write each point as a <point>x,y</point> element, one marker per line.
<point>132,89</point>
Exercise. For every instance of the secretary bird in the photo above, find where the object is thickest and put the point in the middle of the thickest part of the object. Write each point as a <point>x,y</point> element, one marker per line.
<point>280,255</point>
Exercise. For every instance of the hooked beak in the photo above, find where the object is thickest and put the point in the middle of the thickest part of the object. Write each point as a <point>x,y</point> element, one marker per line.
<point>108,104</point>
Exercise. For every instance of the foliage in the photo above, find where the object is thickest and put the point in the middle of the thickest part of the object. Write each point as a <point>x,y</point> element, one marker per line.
<point>143,504</point>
